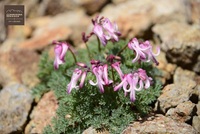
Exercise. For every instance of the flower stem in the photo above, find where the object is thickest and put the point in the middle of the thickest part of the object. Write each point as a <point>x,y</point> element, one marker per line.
<point>99,45</point>
<point>121,50</point>
<point>113,75</point>
<point>75,60</point>
<point>89,54</point>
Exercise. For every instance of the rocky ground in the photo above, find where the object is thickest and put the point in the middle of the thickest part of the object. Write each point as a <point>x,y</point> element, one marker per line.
<point>172,24</point>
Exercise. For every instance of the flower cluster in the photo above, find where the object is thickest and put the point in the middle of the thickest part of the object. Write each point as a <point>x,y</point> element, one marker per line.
<point>130,82</point>
<point>104,30</point>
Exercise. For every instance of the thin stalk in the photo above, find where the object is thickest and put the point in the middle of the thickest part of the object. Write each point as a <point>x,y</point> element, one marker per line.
<point>99,45</point>
<point>121,50</point>
<point>113,75</point>
<point>73,55</point>
<point>89,54</point>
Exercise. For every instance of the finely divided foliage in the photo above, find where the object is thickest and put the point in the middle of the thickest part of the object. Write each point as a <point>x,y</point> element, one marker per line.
<point>108,91</point>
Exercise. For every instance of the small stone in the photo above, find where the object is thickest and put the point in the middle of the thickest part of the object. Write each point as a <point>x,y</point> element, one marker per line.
<point>181,43</point>
<point>15,104</point>
<point>174,94</point>
<point>196,122</point>
<point>185,77</point>
<point>42,114</point>
<point>18,66</point>
<point>183,112</point>
<point>195,11</point>
<point>160,124</point>
<point>198,108</point>
<point>90,130</point>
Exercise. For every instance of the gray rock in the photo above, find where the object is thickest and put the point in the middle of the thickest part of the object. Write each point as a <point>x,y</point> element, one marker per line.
<point>175,94</point>
<point>42,114</point>
<point>159,125</point>
<point>183,112</point>
<point>198,108</point>
<point>184,77</point>
<point>181,43</point>
<point>91,130</point>
<point>15,104</point>
<point>196,123</point>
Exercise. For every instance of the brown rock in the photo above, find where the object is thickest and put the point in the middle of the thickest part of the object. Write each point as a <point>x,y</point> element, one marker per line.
<point>184,77</point>
<point>15,103</point>
<point>92,6</point>
<point>196,122</point>
<point>18,66</point>
<point>42,114</point>
<point>60,27</point>
<point>167,69</point>
<point>174,94</point>
<point>198,108</point>
<point>135,17</point>
<point>45,37</point>
<point>181,43</point>
<point>159,125</point>
<point>195,11</point>
<point>183,112</point>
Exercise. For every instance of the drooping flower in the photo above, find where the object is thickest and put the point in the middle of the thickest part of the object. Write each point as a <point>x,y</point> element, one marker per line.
<point>144,78</point>
<point>130,80</point>
<point>60,50</point>
<point>74,79</point>
<point>104,29</point>
<point>116,66</point>
<point>101,73</point>
<point>143,51</point>
<point>78,74</point>
<point>111,29</point>
<point>98,30</point>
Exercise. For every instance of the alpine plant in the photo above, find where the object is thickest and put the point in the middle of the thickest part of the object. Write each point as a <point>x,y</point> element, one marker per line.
<point>130,83</point>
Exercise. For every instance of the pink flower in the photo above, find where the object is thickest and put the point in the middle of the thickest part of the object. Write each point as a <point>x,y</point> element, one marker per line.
<point>144,78</point>
<point>104,30</point>
<point>98,30</point>
<point>130,80</point>
<point>143,51</point>
<point>60,50</point>
<point>111,29</point>
<point>116,66</point>
<point>101,73</point>
<point>78,74</point>
<point>74,79</point>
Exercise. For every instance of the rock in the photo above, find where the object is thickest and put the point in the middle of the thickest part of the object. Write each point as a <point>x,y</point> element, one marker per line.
<point>2,26</point>
<point>15,104</point>
<point>18,66</point>
<point>91,6</point>
<point>118,1</point>
<point>42,114</point>
<point>183,112</point>
<point>174,94</point>
<point>195,11</point>
<point>19,32</point>
<point>181,43</point>
<point>159,124</point>
<point>90,130</point>
<point>60,27</point>
<point>196,122</point>
<point>166,68</point>
<point>198,108</point>
<point>185,77</point>
<point>134,17</point>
